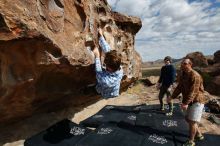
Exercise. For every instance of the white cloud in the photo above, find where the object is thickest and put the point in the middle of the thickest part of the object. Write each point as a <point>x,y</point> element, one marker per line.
<point>176,9</point>
<point>174,27</point>
<point>176,49</point>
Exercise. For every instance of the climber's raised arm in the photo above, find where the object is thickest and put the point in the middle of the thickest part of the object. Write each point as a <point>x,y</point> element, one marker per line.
<point>102,42</point>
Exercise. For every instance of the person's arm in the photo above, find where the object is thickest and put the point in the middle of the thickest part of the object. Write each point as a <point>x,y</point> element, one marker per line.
<point>173,74</point>
<point>177,91</point>
<point>98,66</point>
<point>194,89</point>
<point>102,42</point>
<point>161,75</point>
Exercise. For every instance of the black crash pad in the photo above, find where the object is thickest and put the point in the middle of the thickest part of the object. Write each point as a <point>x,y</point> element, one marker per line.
<point>152,137</point>
<point>131,126</point>
<point>127,109</point>
<point>172,124</point>
<point>113,114</point>
<point>157,138</point>
<point>131,115</point>
<point>168,124</point>
<point>63,133</point>
<point>111,135</point>
<point>146,120</point>
<point>100,118</point>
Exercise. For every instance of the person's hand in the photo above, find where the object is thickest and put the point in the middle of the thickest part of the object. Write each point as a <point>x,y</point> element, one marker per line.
<point>184,106</point>
<point>158,85</point>
<point>169,99</point>
<point>96,52</point>
<point>170,89</point>
<point>100,32</point>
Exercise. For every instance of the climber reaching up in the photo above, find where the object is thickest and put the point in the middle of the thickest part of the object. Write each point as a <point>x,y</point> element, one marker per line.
<point>108,76</point>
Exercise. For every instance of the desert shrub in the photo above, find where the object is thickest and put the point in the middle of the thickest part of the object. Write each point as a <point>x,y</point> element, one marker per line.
<point>150,72</point>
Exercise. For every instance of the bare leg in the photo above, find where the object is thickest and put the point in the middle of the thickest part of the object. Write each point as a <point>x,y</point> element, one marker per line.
<point>198,132</point>
<point>193,127</point>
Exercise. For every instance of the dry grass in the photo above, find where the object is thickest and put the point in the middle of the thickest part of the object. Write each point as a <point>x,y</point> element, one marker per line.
<point>150,72</point>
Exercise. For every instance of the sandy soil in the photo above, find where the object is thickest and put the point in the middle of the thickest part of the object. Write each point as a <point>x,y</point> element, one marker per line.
<point>15,134</point>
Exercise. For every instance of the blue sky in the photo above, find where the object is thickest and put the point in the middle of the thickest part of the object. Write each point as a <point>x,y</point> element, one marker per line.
<point>173,27</point>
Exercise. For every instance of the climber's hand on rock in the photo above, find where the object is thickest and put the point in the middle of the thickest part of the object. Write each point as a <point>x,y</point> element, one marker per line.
<point>100,32</point>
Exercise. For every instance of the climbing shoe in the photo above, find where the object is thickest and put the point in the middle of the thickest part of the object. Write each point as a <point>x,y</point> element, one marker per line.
<point>199,137</point>
<point>189,143</point>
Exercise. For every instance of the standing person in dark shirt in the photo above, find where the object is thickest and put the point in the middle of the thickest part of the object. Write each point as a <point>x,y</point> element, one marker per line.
<point>167,78</point>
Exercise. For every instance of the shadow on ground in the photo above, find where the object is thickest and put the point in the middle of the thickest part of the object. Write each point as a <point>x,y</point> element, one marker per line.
<point>23,129</point>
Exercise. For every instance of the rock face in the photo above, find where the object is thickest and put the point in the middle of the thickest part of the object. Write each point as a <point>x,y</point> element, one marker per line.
<point>217,56</point>
<point>211,75</point>
<point>214,85</point>
<point>198,59</point>
<point>44,60</point>
<point>151,80</point>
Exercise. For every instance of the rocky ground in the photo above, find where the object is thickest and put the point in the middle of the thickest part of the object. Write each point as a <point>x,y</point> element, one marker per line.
<point>15,134</point>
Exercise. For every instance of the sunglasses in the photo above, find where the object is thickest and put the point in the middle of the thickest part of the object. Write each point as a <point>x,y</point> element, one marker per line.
<point>185,63</point>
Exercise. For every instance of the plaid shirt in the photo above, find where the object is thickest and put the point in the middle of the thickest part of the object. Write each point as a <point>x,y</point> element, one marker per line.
<point>108,84</point>
<point>191,87</point>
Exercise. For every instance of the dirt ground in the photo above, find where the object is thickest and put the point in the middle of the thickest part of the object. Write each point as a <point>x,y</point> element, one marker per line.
<point>15,134</point>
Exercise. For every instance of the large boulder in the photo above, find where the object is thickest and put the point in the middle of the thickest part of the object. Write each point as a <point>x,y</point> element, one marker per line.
<point>151,80</point>
<point>217,56</point>
<point>198,59</point>
<point>212,70</point>
<point>211,78</point>
<point>214,85</point>
<point>44,60</point>
<point>211,74</point>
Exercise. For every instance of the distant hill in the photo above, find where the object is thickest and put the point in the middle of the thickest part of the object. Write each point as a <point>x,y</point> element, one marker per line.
<point>160,62</point>
<point>209,56</point>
